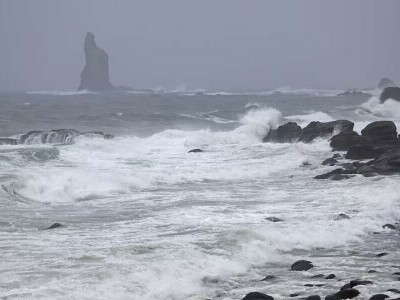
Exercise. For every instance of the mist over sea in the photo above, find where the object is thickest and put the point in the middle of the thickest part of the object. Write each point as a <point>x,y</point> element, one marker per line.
<point>145,219</point>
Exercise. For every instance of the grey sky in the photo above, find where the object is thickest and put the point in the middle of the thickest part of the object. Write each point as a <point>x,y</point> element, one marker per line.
<point>213,44</point>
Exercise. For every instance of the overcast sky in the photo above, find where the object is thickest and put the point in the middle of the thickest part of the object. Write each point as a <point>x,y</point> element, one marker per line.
<point>213,44</point>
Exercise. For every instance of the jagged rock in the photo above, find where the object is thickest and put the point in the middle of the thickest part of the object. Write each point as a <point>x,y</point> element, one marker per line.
<point>330,162</point>
<point>302,265</point>
<point>257,296</point>
<point>322,130</point>
<point>386,82</point>
<point>387,163</point>
<point>95,76</point>
<point>287,133</point>
<point>344,140</point>
<point>58,136</point>
<point>390,93</point>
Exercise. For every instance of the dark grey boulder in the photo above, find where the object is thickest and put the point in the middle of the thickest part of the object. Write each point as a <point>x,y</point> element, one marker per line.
<point>332,276</point>
<point>329,162</point>
<point>344,294</point>
<point>274,219</point>
<point>389,226</point>
<point>381,131</point>
<point>54,226</point>
<point>354,283</point>
<point>386,82</point>
<point>302,265</point>
<point>382,254</point>
<point>324,130</point>
<point>313,297</point>
<point>390,93</point>
<point>257,296</point>
<point>95,75</point>
<point>287,133</point>
<point>344,140</point>
<point>196,151</point>
<point>329,174</point>
<point>365,151</point>
<point>379,297</point>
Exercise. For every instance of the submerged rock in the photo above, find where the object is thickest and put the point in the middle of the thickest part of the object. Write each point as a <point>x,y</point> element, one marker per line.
<point>379,297</point>
<point>54,226</point>
<point>302,265</point>
<point>389,226</point>
<point>390,93</point>
<point>95,75</point>
<point>313,297</point>
<point>257,296</point>
<point>333,276</point>
<point>274,219</point>
<point>287,133</point>
<point>196,151</point>
<point>337,218</point>
<point>323,130</point>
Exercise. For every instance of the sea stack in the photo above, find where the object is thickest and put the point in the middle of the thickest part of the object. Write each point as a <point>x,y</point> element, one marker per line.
<point>95,76</point>
<point>386,82</point>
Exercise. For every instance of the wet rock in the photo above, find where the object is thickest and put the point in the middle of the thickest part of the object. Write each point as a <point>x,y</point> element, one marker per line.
<point>309,285</point>
<point>329,174</point>
<point>330,276</point>
<point>389,226</point>
<point>372,271</point>
<point>344,140</point>
<point>344,294</point>
<point>54,226</point>
<point>396,273</point>
<point>352,92</point>
<point>381,254</point>
<point>396,291</point>
<point>379,297</point>
<point>364,151</point>
<point>196,151</point>
<point>313,297</point>
<point>287,133</point>
<point>302,265</point>
<point>318,276</point>
<point>323,130</point>
<point>257,296</point>
<point>386,82</point>
<point>330,162</point>
<point>340,177</point>
<point>269,278</point>
<point>381,131</point>
<point>390,93</point>
<point>95,75</point>
<point>274,219</point>
<point>354,283</point>
<point>294,295</point>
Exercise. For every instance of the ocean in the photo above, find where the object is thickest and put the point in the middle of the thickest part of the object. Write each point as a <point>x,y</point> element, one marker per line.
<point>144,219</point>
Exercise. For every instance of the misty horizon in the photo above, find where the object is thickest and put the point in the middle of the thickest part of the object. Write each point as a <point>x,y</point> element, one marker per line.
<point>228,45</point>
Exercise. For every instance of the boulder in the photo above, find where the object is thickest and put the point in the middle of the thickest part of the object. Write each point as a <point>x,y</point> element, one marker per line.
<point>287,133</point>
<point>390,93</point>
<point>313,297</point>
<point>344,294</point>
<point>302,265</point>
<point>324,129</point>
<point>344,140</point>
<point>257,296</point>
<point>54,226</point>
<point>386,82</point>
<point>95,74</point>
<point>381,131</point>
<point>379,297</point>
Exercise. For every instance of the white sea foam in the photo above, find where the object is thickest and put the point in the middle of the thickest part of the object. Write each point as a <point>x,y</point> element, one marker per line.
<point>389,109</point>
<point>305,119</point>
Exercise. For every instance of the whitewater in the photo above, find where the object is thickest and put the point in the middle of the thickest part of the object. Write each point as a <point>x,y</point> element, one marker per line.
<point>145,219</point>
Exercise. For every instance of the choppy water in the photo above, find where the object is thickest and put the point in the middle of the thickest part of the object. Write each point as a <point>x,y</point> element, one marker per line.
<point>147,220</point>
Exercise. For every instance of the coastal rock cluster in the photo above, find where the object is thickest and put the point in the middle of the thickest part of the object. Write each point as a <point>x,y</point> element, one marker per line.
<point>58,136</point>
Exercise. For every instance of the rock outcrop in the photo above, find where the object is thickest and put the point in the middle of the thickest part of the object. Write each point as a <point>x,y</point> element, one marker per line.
<point>386,82</point>
<point>287,133</point>
<point>324,129</point>
<point>390,93</point>
<point>95,75</point>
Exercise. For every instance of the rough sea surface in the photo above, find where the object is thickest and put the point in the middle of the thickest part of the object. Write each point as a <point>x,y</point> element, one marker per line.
<point>145,219</point>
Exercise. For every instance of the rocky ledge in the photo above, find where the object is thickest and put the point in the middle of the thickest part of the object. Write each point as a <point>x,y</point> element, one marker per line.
<point>57,136</point>
<point>375,151</point>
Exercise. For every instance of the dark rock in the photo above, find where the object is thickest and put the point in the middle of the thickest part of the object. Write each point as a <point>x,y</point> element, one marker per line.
<point>329,174</point>
<point>323,130</point>
<point>268,278</point>
<point>346,286</point>
<point>336,156</point>
<point>372,271</point>
<point>287,133</point>
<point>390,93</point>
<point>313,297</point>
<point>344,140</point>
<point>95,76</point>
<point>8,141</point>
<point>396,273</point>
<point>309,285</point>
<point>330,162</point>
<point>274,219</point>
<point>381,254</point>
<point>330,276</point>
<point>379,297</point>
<point>54,226</point>
<point>381,131</point>
<point>196,151</point>
<point>364,151</point>
<point>344,294</point>
<point>389,226</point>
<point>354,283</point>
<point>352,92</point>
<point>386,82</point>
<point>387,162</point>
<point>257,296</point>
<point>301,265</point>
<point>294,295</point>
<point>340,177</point>
<point>396,291</point>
